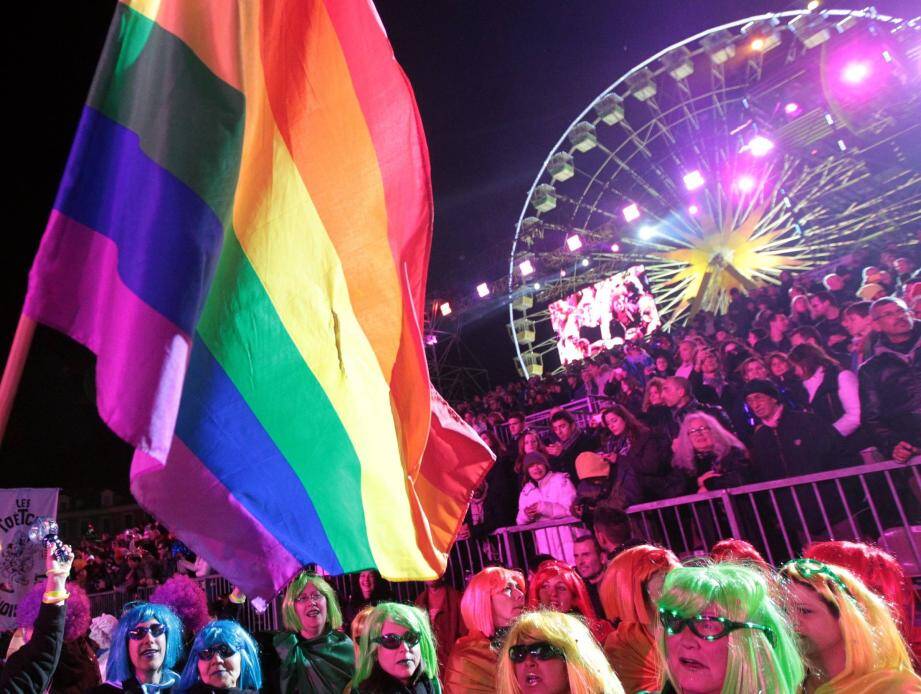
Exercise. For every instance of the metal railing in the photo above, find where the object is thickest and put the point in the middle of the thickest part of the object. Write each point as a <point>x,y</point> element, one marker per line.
<point>880,503</point>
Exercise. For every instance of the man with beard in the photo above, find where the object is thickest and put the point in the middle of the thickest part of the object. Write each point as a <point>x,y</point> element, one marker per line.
<point>890,381</point>
<point>589,563</point>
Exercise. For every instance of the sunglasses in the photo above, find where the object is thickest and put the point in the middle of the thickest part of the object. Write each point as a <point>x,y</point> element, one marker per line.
<point>540,650</point>
<point>807,568</point>
<point>392,641</point>
<point>140,632</point>
<point>222,649</point>
<point>707,628</point>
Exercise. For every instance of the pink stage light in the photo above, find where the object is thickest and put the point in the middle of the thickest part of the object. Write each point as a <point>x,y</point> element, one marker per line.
<point>482,290</point>
<point>631,212</point>
<point>694,210</point>
<point>526,268</point>
<point>445,309</point>
<point>745,183</point>
<point>792,108</point>
<point>693,180</point>
<point>855,72</point>
<point>615,248</point>
<point>760,146</point>
<point>573,242</point>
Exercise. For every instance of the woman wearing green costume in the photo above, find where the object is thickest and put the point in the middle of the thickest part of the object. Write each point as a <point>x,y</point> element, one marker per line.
<point>312,656</point>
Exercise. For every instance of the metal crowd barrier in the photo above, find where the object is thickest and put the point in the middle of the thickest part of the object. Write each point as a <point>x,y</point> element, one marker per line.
<point>878,503</point>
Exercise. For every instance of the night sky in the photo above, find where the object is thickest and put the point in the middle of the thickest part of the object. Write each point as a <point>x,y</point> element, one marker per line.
<point>497,84</point>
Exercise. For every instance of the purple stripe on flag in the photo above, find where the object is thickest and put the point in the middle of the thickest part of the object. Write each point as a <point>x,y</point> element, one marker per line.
<point>185,495</point>
<point>74,287</point>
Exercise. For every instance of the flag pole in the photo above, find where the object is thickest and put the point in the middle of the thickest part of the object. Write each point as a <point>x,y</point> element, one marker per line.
<point>12,372</point>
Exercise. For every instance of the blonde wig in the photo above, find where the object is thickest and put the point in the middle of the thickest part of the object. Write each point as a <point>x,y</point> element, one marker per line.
<point>586,665</point>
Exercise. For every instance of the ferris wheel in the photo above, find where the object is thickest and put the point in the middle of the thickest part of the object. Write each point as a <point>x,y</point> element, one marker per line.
<point>778,142</point>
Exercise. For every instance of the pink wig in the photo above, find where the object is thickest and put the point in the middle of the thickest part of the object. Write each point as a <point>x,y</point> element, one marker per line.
<point>572,580</point>
<point>476,605</point>
<point>187,599</point>
<point>77,621</point>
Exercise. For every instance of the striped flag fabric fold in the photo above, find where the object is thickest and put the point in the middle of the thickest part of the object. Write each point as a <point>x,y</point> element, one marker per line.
<point>242,235</point>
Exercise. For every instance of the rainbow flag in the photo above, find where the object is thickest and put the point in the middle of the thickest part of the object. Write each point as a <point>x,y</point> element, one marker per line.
<point>242,236</point>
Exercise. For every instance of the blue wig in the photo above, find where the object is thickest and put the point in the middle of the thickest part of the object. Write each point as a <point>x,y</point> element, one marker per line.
<point>119,668</point>
<point>232,634</point>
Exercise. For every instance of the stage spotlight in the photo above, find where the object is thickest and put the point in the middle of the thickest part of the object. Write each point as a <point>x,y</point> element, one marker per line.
<point>445,309</point>
<point>693,180</point>
<point>631,212</point>
<point>887,56</point>
<point>791,108</point>
<point>573,242</point>
<point>693,210</point>
<point>537,285</point>
<point>855,72</point>
<point>647,232</point>
<point>745,183</point>
<point>759,146</point>
<point>526,268</point>
<point>813,5</point>
<point>763,34</point>
<point>562,273</point>
<point>482,290</point>
<point>615,248</point>
<point>584,262</point>
<point>842,145</point>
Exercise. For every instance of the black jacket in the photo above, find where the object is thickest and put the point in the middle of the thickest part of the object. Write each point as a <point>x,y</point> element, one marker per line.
<point>890,392</point>
<point>202,688</point>
<point>132,686</point>
<point>30,668</point>
<point>802,443</point>
<point>381,683</point>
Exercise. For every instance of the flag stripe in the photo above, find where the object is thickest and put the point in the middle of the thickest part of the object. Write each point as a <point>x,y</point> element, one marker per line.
<point>241,328</point>
<point>75,287</point>
<point>167,238</point>
<point>191,123</point>
<point>363,41</point>
<point>210,29</point>
<point>222,530</point>
<point>323,127</point>
<point>218,427</point>
<point>286,241</point>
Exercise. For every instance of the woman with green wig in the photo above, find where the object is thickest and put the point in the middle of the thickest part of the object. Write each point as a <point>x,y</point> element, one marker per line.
<point>312,654</point>
<point>723,633</point>
<point>396,653</point>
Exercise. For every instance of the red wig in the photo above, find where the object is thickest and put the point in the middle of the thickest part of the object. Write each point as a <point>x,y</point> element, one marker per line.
<point>879,571</point>
<point>552,568</point>
<point>737,550</point>
<point>623,589</point>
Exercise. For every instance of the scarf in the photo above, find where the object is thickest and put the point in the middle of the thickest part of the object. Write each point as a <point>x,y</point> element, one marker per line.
<point>322,665</point>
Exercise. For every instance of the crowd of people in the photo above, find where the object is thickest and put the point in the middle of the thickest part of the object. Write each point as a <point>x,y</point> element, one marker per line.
<point>132,560</point>
<point>629,619</point>
<point>800,377</point>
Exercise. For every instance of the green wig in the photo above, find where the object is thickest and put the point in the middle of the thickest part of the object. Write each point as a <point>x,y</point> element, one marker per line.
<point>289,614</point>
<point>408,617</point>
<point>742,594</point>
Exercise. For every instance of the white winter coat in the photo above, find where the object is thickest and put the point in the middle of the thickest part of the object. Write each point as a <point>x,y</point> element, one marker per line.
<point>554,495</point>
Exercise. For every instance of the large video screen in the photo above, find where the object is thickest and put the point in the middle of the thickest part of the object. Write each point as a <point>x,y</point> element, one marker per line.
<point>604,314</point>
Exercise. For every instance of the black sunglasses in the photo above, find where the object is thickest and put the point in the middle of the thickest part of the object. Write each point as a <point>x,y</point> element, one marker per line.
<point>392,641</point>
<point>707,628</point>
<point>222,649</point>
<point>541,651</point>
<point>140,632</point>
